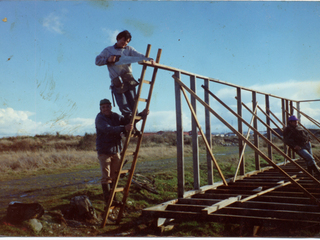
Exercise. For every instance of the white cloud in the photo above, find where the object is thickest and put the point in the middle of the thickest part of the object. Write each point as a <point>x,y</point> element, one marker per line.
<point>14,122</point>
<point>17,123</point>
<point>53,23</point>
<point>166,121</point>
<point>110,35</point>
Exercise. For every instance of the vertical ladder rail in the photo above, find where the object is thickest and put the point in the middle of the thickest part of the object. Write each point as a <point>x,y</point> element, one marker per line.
<point>125,147</point>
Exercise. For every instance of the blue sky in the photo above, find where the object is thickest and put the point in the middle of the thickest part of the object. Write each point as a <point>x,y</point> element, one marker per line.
<point>50,83</point>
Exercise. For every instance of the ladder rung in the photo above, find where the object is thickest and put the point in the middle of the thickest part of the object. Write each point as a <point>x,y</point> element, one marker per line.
<point>143,100</point>
<point>129,153</point>
<point>137,117</point>
<point>120,189</point>
<point>146,81</point>
<point>124,171</point>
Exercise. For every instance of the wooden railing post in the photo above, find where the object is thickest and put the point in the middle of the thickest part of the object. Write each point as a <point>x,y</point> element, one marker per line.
<point>239,110</point>
<point>269,136</point>
<point>195,142</point>
<point>255,136</point>
<point>180,144</point>
<point>208,133</point>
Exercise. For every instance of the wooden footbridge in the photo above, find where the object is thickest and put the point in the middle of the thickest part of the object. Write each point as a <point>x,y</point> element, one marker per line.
<point>280,194</point>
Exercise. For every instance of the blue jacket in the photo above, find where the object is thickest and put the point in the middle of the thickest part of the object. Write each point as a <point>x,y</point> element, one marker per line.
<point>108,133</point>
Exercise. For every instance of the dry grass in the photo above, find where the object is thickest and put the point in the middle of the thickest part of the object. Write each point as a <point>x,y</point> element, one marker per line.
<point>62,152</point>
<point>13,163</point>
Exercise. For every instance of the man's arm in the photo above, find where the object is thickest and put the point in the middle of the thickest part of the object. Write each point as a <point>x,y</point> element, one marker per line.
<point>288,138</point>
<point>105,127</point>
<point>104,58</point>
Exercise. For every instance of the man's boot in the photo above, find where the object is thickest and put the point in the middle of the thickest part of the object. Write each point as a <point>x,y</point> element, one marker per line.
<point>106,191</point>
<point>309,169</point>
<point>115,202</point>
<point>106,188</point>
<point>316,170</point>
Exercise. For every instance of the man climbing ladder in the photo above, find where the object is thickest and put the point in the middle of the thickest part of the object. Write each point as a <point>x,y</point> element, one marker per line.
<point>109,127</point>
<point>123,84</point>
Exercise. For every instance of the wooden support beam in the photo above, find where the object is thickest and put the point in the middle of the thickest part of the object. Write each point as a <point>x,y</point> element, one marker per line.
<point>266,191</point>
<point>220,205</point>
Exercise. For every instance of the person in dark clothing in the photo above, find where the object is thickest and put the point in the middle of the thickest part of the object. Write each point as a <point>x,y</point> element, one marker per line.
<point>109,126</point>
<point>299,140</point>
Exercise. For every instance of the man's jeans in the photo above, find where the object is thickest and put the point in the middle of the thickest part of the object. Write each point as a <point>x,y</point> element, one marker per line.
<point>306,153</point>
<point>125,101</point>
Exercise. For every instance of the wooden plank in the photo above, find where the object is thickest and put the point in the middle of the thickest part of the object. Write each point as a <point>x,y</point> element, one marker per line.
<point>220,205</point>
<point>265,191</point>
<point>229,218</point>
<point>146,81</point>
<point>255,204</point>
<point>119,189</point>
<point>184,208</point>
<point>162,206</point>
<point>263,198</point>
<point>143,100</point>
<point>281,214</point>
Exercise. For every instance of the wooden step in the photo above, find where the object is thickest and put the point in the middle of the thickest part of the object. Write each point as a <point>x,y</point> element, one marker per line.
<point>143,100</point>
<point>120,189</point>
<point>146,81</point>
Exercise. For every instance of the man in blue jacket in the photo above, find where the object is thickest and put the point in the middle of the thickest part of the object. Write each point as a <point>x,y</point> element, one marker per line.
<point>299,140</point>
<point>109,126</point>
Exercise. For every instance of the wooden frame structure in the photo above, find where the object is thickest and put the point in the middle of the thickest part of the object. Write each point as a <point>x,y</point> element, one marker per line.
<point>185,206</point>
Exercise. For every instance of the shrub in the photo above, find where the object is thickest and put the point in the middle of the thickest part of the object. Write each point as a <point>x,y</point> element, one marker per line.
<point>87,142</point>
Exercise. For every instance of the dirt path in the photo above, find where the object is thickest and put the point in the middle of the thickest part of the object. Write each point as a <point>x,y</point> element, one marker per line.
<point>35,189</point>
<point>38,188</point>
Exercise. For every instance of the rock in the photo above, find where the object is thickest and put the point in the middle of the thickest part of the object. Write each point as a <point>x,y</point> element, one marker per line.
<point>34,224</point>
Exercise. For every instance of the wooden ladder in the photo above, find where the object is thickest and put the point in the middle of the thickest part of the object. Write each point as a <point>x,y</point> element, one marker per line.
<point>124,152</point>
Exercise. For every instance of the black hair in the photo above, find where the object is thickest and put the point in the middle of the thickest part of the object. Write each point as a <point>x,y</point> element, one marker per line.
<point>124,34</point>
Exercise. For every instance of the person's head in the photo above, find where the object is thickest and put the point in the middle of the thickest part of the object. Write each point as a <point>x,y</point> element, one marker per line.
<point>123,38</point>
<point>293,120</point>
<point>105,107</point>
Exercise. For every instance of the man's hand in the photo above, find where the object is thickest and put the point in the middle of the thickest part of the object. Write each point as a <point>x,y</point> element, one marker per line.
<point>297,148</point>
<point>153,62</point>
<point>112,59</point>
<point>145,113</point>
<point>128,127</point>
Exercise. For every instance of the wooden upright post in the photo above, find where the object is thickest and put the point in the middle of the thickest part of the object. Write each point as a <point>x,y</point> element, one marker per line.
<point>208,133</point>
<point>195,142</point>
<point>180,144</point>
<point>269,136</point>
<point>255,136</point>
<point>239,109</point>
